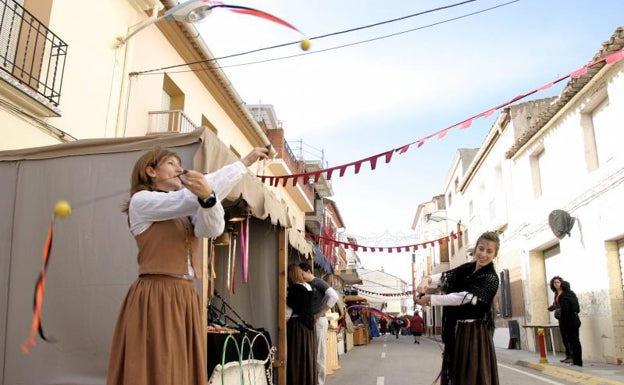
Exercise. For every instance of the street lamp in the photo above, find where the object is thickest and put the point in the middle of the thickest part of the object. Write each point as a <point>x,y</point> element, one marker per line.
<point>191,11</point>
<point>437,218</point>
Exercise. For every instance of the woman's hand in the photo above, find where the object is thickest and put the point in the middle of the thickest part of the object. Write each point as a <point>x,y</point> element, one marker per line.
<point>424,300</point>
<point>254,155</point>
<point>196,183</point>
<point>423,285</point>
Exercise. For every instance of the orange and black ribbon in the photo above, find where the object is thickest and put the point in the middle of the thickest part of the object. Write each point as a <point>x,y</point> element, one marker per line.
<point>39,294</point>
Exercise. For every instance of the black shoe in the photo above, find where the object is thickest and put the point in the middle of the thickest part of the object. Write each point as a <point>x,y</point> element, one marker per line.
<point>415,342</point>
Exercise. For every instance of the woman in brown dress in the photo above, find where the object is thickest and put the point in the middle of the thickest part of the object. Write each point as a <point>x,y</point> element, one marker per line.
<point>159,335</point>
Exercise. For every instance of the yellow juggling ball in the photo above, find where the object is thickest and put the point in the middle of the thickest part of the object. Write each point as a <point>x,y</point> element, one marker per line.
<point>62,209</point>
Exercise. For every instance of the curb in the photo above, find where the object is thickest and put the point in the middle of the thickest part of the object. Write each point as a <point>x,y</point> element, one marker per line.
<point>570,375</point>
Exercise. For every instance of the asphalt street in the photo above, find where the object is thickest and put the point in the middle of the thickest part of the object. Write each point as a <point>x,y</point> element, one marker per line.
<point>387,360</point>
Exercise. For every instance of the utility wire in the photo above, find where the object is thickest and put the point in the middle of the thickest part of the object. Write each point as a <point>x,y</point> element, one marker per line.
<point>312,38</point>
<point>361,41</point>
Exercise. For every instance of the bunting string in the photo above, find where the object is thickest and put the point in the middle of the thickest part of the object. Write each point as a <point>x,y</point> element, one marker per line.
<point>464,124</point>
<point>405,294</point>
<point>389,249</point>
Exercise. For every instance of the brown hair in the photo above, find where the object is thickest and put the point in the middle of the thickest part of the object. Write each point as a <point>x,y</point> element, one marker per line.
<point>490,236</point>
<point>139,180</point>
<point>552,283</point>
<point>295,274</point>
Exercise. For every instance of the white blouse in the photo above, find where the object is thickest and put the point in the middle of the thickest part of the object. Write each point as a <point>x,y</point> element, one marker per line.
<point>451,299</point>
<point>147,207</point>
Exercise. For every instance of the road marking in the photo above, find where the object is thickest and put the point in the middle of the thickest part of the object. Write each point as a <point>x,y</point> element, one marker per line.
<point>380,381</point>
<point>383,354</point>
<point>531,375</point>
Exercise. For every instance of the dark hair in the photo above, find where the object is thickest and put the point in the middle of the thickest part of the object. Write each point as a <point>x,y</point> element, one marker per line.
<point>552,282</point>
<point>491,236</point>
<point>305,266</point>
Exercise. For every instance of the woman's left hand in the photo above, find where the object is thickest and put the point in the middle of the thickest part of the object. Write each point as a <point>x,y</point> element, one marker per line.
<point>254,155</point>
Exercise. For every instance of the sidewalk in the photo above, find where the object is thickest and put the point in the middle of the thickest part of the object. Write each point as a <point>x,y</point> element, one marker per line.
<point>592,373</point>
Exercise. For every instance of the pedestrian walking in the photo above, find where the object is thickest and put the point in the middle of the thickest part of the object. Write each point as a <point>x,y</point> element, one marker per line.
<point>417,326</point>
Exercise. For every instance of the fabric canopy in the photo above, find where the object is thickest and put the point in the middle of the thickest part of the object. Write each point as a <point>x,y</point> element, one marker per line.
<point>349,276</point>
<point>210,155</point>
<point>321,261</point>
<point>93,258</point>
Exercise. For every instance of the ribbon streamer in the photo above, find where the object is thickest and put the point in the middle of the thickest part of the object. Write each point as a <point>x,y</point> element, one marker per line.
<point>39,295</point>
<point>234,236</point>
<point>253,12</point>
<point>229,266</point>
<point>244,235</point>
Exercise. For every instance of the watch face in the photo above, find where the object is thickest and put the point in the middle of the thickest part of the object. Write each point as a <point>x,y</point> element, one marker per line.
<point>209,202</point>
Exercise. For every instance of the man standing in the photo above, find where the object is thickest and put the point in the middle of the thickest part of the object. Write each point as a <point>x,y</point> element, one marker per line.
<point>323,299</point>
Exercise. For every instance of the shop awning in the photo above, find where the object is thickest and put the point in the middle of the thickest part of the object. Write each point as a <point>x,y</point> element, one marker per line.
<point>321,261</point>
<point>349,276</point>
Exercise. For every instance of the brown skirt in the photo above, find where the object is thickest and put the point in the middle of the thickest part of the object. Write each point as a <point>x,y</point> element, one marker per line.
<point>301,354</point>
<point>473,360</point>
<point>159,338</point>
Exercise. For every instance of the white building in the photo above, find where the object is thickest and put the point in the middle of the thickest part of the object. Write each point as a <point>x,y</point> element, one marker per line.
<point>545,155</point>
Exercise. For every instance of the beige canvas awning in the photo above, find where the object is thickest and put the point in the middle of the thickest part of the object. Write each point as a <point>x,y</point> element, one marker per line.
<point>211,154</point>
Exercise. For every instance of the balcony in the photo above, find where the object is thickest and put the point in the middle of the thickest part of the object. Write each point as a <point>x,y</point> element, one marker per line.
<point>169,121</point>
<point>32,60</point>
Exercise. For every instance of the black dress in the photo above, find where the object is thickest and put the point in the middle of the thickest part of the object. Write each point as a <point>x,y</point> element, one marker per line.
<point>569,323</point>
<point>301,341</point>
<point>469,356</point>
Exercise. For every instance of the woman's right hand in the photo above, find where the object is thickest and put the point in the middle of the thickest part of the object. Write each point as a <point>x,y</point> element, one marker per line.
<point>196,183</point>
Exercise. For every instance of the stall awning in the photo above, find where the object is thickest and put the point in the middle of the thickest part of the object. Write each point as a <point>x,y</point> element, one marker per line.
<point>349,276</point>
<point>321,261</point>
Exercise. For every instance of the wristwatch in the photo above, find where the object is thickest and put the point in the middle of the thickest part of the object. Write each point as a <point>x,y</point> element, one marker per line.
<point>208,202</point>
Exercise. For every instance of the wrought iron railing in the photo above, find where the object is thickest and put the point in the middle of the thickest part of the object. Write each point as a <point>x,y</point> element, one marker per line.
<point>30,54</point>
<point>170,121</point>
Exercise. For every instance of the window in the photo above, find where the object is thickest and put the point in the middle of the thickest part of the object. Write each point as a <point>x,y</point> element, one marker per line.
<point>206,123</point>
<point>600,136</point>
<point>606,136</point>
<point>543,172</point>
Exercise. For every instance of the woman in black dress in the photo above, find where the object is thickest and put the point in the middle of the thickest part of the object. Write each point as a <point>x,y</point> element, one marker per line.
<point>469,356</point>
<point>301,341</point>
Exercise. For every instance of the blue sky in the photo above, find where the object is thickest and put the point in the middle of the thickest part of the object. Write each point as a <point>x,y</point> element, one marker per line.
<point>364,99</point>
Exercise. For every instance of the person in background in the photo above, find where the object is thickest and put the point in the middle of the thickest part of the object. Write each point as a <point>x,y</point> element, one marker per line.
<point>469,356</point>
<point>395,327</point>
<point>324,298</point>
<point>159,336</point>
<point>417,325</point>
<point>383,326</point>
<point>555,286</point>
<point>566,308</point>
<point>300,335</point>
